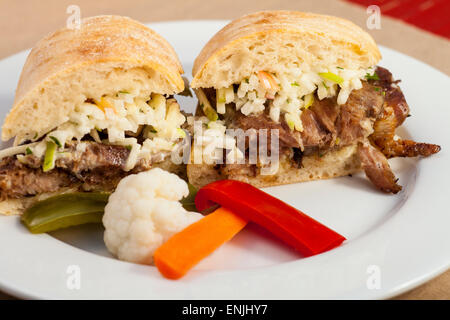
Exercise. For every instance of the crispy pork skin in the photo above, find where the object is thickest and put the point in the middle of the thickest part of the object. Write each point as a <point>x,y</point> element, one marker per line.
<point>377,168</point>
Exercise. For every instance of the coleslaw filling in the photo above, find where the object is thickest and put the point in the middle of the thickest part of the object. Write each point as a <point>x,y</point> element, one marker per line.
<point>211,140</point>
<point>123,118</point>
<point>290,92</point>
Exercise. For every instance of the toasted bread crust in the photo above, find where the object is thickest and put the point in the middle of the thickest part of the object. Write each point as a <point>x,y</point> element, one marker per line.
<point>253,42</point>
<point>106,54</point>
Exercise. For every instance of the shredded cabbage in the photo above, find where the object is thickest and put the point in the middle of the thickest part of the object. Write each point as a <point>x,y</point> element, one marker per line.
<point>297,88</point>
<point>117,116</point>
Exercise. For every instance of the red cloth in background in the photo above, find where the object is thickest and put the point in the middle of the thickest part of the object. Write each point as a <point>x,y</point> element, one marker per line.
<point>431,15</point>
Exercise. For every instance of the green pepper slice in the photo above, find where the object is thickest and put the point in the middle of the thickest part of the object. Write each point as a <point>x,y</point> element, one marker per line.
<point>65,210</point>
<point>210,113</point>
<point>332,77</point>
<point>189,202</point>
<point>49,158</point>
<point>72,209</point>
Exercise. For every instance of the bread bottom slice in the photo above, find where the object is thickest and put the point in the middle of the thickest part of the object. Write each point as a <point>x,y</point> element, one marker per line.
<point>336,163</point>
<point>18,206</point>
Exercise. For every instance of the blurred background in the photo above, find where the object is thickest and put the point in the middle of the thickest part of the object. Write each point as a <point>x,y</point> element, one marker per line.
<point>418,28</point>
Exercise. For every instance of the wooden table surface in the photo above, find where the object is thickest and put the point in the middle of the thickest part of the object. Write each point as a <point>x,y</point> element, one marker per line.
<point>24,22</point>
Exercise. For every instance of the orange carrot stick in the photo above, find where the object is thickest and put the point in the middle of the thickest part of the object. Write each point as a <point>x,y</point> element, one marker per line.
<point>186,248</point>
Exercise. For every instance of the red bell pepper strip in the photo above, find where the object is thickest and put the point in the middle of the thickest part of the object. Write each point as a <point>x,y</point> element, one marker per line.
<point>292,226</point>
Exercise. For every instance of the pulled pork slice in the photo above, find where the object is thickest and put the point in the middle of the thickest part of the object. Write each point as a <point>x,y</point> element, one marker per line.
<point>288,138</point>
<point>325,123</point>
<point>395,111</point>
<point>99,166</point>
<point>369,117</point>
<point>384,138</point>
<point>84,156</point>
<point>18,180</point>
<point>94,166</point>
<point>377,168</point>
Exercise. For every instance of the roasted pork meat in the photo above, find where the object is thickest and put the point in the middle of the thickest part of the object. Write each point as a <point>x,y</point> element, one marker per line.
<point>369,118</point>
<point>95,166</point>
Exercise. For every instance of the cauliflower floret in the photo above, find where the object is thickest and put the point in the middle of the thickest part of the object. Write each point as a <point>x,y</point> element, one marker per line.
<point>144,212</point>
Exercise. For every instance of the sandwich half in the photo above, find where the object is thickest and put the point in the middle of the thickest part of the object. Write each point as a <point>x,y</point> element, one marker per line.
<point>92,106</point>
<point>314,80</point>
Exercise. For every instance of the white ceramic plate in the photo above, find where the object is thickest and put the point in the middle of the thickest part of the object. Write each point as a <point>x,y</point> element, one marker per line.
<point>395,242</point>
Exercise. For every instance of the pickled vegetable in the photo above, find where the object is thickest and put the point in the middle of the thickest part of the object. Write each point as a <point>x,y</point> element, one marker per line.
<point>189,202</point>
<point>72,209</point>
<point>65,210</point>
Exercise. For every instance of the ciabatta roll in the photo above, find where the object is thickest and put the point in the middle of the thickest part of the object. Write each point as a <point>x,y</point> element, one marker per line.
<point>312,79</point>
<point>92,105</point>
